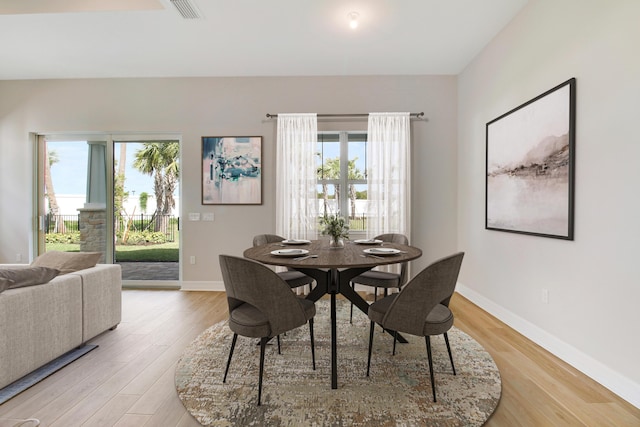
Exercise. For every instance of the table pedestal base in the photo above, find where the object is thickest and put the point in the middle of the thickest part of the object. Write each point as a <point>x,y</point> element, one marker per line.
<point>333,282</point>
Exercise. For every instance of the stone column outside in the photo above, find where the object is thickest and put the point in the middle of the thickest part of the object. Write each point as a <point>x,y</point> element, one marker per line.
<point>93,230</point>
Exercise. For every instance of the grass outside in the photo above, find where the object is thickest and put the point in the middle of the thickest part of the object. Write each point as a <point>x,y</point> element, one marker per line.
<point>165,252</point>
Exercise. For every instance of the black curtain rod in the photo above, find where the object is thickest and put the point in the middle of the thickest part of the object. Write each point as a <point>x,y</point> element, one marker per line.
<point>416,115</point>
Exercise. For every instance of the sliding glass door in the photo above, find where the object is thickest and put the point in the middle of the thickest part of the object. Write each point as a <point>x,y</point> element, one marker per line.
<point>74,185</point>
<point>114,194</point>
<point>146,207</point>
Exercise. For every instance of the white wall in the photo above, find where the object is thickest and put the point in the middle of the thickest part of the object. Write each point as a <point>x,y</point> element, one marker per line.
<point>592,319</point>
<point>196,107</point>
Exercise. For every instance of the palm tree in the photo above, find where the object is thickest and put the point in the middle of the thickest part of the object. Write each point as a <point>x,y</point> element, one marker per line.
<point>322,172</point>
<point>331,170</point>
<point>160,160</point>
<point>171,152</point>
<point>120,179</point>
<point>51,158</point>
<point>354,173</point>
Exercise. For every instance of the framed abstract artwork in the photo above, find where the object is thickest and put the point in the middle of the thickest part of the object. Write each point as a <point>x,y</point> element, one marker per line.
<point>530,166</point>
<point>231,170</point>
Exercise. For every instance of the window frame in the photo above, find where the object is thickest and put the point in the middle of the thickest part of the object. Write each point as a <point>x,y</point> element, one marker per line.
<point>344,182</point>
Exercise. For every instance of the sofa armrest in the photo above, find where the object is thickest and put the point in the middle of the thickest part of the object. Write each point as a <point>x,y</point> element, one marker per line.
<point>101,299</point>
<point>37,324</point>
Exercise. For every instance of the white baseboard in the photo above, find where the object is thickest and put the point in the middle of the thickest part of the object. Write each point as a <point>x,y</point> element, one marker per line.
<point>217,286</point>
<point>151,284</point>
<point>614,381</point>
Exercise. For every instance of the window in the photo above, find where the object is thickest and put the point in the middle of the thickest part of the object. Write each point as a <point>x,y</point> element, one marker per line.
<point>342,176</point>
<point>362,176</point>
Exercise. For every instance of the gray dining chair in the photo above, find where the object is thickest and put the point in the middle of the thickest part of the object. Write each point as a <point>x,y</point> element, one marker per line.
<point>261,305</point>
<point>421,308</point>
<point>293,277</point>
<point>383,279</point>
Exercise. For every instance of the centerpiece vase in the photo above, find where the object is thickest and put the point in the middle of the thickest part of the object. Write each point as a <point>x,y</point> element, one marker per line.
<point>336,242</point>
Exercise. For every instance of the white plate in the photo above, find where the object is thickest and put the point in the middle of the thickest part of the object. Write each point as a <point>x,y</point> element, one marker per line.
<point>290,252</point>
<point>296,242</point>
<point>367,241</point>
<point>381,251</point>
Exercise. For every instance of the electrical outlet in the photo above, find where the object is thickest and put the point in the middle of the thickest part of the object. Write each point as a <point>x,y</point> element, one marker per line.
<point>545,296</point>
<point>192,259</point>
<point>18,257</point>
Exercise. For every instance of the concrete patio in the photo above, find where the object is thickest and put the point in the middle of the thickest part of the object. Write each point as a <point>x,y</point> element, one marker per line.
<point>149,270</point>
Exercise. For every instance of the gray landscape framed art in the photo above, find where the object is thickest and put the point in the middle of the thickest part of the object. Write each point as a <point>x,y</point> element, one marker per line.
<point>530,163</point>
<point>231,170</point>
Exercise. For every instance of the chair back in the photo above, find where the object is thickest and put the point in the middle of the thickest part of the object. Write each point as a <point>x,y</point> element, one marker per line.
<point>263,239</point>
<point>432,286</point>
<point>249,282</point>
<point>402,240</point>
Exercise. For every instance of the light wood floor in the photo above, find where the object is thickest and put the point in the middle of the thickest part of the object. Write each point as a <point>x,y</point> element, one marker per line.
<point>129,379</point>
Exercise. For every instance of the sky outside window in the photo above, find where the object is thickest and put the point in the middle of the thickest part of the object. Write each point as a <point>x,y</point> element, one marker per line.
<point>69,174</point>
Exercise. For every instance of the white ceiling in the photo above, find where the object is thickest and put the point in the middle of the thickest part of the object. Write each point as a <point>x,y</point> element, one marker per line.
<point>148,38</point>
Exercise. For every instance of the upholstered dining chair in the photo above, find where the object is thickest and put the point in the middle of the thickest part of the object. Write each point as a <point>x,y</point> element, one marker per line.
<point>261,305</point>
<point>293,278</point>
<point>421,308</point>
<point>383,279</point>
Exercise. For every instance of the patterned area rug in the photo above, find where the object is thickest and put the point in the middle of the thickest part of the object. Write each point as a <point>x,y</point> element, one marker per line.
<point>398,391</point>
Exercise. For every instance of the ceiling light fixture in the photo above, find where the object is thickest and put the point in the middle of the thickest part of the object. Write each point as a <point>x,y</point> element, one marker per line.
<point>353,20</point>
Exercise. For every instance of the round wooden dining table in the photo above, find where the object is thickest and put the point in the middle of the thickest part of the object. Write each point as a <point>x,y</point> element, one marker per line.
<point>333,269</point>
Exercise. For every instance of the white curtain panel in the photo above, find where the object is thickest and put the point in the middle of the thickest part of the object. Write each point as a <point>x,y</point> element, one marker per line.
<point>389,177</point>
<point>389,174</point>
<point>296,188</point>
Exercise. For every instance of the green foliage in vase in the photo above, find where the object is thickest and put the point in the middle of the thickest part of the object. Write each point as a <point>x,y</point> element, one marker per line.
<point>334,226</point>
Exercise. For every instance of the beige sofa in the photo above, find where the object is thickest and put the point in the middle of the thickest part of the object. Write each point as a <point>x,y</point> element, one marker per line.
<point>39,323</point>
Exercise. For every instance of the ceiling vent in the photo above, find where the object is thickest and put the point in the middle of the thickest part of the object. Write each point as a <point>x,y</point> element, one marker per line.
<point>187,9</point>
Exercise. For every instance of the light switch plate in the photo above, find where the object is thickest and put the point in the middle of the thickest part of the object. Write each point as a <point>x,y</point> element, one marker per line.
<point>194,216</point>
<point>208,216</point>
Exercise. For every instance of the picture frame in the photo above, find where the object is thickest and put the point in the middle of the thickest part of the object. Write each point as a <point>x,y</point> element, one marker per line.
<point>530,166</point>
<point>231,170</point>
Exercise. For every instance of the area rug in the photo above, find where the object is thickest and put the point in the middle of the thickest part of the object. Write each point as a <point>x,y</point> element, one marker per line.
<point>43,372</point>
<point>397,392</point>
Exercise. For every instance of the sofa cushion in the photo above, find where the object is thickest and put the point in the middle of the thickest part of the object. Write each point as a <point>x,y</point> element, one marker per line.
<point>4,284</point>
<point>67,262</point>
<point>28,276</point>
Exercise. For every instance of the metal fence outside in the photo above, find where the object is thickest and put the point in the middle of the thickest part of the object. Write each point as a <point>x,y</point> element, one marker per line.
<point>167,224</point>
<point>62,224</point>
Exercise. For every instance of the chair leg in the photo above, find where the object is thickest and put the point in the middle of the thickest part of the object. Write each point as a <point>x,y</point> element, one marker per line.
<point>278,339</point>
<point>233,345</point>
<point>433,381</point>
<point>353,286</point>
<point>446,339</point>
<point>395,339</point>
<point>313,347</point>
<point>375,298</point>
<point>370,346</point>
<point>263,344</point>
